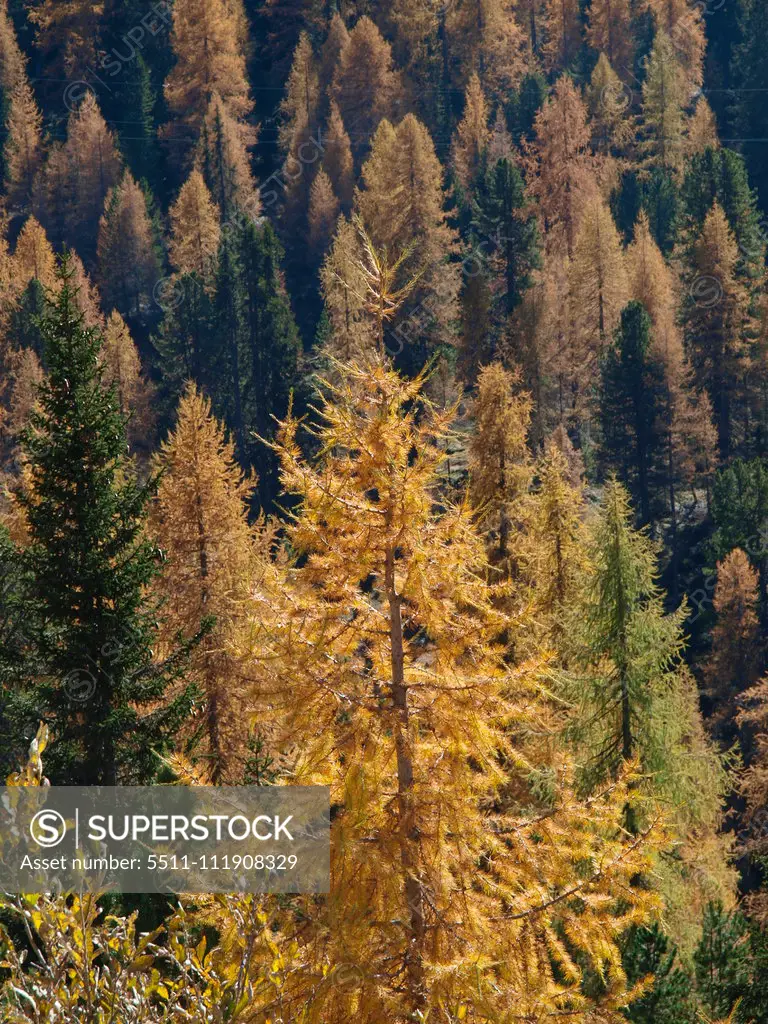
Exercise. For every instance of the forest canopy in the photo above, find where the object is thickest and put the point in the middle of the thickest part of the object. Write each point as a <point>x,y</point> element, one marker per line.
<point>384,406</point>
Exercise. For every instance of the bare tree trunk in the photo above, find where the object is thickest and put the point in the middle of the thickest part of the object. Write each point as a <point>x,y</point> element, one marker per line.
<point>408,830</point>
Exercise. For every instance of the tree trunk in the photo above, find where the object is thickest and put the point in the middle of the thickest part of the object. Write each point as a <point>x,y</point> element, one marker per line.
<point>408,829</point>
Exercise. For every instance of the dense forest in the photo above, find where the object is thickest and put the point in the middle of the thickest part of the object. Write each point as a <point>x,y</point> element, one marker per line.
<point>384,406</point>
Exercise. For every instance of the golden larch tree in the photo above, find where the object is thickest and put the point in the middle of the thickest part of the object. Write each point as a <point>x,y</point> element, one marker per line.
<point>471,136</point>
<point>200,520</point>
<point>557,554</point>
<point>299,136</point>
<point>685,416</point>
<point>128,267</point>
<point>485,35</point>
<point>365,84</point>
<point>500,463</point>
<point>53,191</point>
<point>209,61</point>
<point>13,73</point>
<point>122,368</point>
<point>561,164</point>
<point>414,27</point>
<point>299,105</point>
<point>67,35</point>
<point>401,206</point>
<point>337,158</point>
<point>683,23</point>
<point>323,214</point>
<point>33,256</point>
<point>195,232</point>
<point>529,15</point>
<point>701,129</point>
<point>609,31</point>
<point>344,287</point>
<point>734,663</point>
<point>22,152</point>
<point>556,339</point>
<point>87,296</point>
<point>652,282</point>
<point>562,28</point>
<point>384,675</point>
<point>607,102</point>
<point>93,167</point>
<point>716,318</point>
<point>598,280</point>
<point>22,376</point>
<point>752,717</point>
<point>335,42</point>
<point>8,285</point>
<point>664,96</point>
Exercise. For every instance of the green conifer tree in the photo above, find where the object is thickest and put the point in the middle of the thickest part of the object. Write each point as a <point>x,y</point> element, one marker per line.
<point>720,175</point>
<point>630,405</point>
<point>86,567</point>
<point>722,961</point>
<point>669,999</point>
<point>635,699</point>
<point>253,353</point>
<point>506,223</point>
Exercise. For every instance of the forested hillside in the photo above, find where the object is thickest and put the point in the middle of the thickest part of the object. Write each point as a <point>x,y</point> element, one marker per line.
<point>384,406</point>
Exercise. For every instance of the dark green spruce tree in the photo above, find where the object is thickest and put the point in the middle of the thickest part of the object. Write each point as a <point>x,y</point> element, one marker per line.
<point>749,75</point>
<point>720,175</point>
<point>657,194</point>
<point>138,134</point>
<point>505,224</point>
<point>254,361</point>
<point>669,999</point>
<point>18,713</point>
<point>24,321</point>
<point>723,962</point>
<point>182,339</point>
<point>630,406</point>
<point>86,569</point>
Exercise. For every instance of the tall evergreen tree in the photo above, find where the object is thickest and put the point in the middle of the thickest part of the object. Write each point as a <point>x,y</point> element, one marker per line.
<point>86,566</point>
<point>506,223</point>
<point>722,961</point>
<point>658,194</point>
<point>669,999</point>
<point>630,405</point>
<point>252,357</point>
<point>138,138</point>
<point>720,175</point>
<point>635,699</point>
<point>749,70</point>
